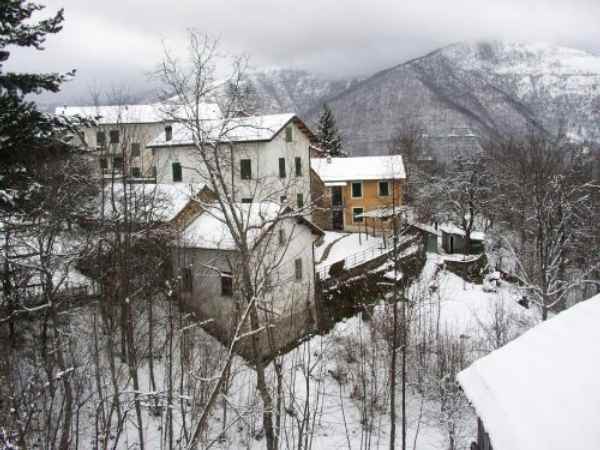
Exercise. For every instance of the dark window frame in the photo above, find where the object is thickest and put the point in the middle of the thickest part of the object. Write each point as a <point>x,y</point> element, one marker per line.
<point>354,214</point>
<point>298,166</point>
<point>101,138</point>
<point>387,185</point>
<point>281,237</point>
<point>114,136</point>
<point>117,163</point>
<point>246,169</point>
<point>135,172</point>
<point>356,183</point>
<point>226,284</point>
<point>246,200</point>
<point>168,133</point>
<point>187,280</point>
<point>176,172</point>
<point>300,200</point>
<point>289,134</point>
<point>298,269</point>
<point>282,171</point>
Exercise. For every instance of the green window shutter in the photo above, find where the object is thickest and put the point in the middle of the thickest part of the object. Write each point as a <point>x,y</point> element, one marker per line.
<point>281,167</point>
<point>177,172</point>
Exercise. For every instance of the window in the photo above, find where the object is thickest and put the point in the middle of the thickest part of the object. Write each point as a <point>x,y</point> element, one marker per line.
<point>246,200</point>
<point>154,171</point>
<point>300,200</point>
<point>136,149</point>
<point>289,136</point>
<point>268,282</point>
<point>384,188</point>
<point>283,199</point>
<point>177,172</point>
<point>168,133</point>
<point>281,234</point>
<point>103,163</point>
<point>114,136</point>
<point>187,280</point>
<point>357,212</point>
<point>226,284</point>
<point>357,189</point>
<point>246,169</point>
<point>298,268</point>
<point>281,167</point>
<point>101,139</point>
<point>118,164</point>
<point>298,166</point>
<point>135,172</point>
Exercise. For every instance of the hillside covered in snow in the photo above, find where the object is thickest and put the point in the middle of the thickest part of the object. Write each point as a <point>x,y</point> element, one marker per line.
<point>475,88</point>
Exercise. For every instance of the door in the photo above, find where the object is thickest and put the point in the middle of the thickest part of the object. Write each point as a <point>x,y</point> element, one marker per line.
<point>336,197</point>
<point>337,208</point>
<point>337,219</point>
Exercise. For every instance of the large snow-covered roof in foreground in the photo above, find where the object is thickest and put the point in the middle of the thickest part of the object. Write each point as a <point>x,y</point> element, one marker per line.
<point>542,390</point>
<point>240,129</point>
<point>149,202</point>
<point>133,114</point>
<point>359,168</point>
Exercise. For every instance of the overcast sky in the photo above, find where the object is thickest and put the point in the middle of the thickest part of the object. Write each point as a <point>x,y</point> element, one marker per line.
<point>115,42</point>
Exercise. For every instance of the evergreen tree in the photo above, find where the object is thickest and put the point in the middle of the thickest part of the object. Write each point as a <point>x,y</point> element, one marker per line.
<point>328,133</point>
<point>29,138</point>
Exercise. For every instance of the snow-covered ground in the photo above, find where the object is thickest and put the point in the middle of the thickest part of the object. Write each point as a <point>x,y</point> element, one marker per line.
<point>334,388</point>
<point>348,382</point>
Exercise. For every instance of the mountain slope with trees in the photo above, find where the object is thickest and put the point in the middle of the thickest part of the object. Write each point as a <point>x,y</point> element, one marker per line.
<point>484,89</point>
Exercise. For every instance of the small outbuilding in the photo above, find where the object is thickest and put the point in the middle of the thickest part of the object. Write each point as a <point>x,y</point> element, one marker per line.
<point>454,240</point>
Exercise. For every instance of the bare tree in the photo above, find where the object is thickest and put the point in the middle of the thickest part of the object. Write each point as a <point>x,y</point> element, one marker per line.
<point>259,258</point>
<point>542,188</point>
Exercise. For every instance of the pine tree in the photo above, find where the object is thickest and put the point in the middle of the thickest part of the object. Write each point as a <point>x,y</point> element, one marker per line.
<point>328,133</point>
<point>28,137</point>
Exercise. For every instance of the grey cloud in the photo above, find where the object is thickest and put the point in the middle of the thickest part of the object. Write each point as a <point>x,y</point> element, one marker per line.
<point>117,42</point>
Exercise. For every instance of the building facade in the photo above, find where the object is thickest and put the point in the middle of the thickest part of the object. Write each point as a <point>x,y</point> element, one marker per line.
<point>358,192</point>
<point>119,140</point>
<point>282,271</point>
<point>261,158</point>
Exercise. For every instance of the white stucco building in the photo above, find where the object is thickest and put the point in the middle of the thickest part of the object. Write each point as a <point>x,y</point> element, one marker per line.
<point>264,158</point>
<point>122,133</point>
<point>281,270</point>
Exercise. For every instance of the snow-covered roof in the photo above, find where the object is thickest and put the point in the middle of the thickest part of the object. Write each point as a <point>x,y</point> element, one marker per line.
<point>149,202</point>
<point>542,389</point>
<point>239,129</point>
<point>209,230</point>
<point>123,114</point>
<point>359,168</point>
<point>450,228</point>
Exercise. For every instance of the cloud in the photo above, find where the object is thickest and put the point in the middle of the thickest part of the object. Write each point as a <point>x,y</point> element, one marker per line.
<point>118,42</point>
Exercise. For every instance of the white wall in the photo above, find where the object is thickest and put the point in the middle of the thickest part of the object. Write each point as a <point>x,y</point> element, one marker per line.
<point>129,133</point>
<point>272,258</point>
<point>291,300</point>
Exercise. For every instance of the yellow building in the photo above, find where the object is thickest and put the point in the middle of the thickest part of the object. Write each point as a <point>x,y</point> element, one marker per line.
<point>357,193</point>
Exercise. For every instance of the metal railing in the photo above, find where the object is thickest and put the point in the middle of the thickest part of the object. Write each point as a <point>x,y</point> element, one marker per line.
<point>355,259</point>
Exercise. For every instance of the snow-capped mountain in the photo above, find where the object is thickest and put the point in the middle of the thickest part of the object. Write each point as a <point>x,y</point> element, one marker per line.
<point>289,90</point>
<point>465,89</point>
